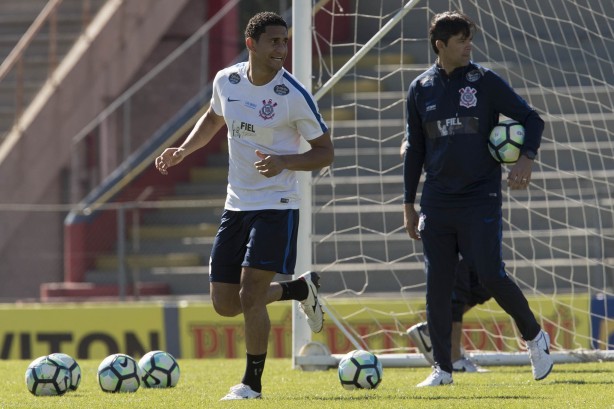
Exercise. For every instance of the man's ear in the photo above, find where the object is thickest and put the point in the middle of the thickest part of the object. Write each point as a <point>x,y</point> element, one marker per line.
<point>250,43</point>
<point>439,44</point>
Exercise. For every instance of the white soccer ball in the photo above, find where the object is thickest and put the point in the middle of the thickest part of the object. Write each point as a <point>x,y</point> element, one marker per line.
<point>360,369</point>
<point>46,376</point>
<point>505,141</point>
<point>73,368</point>
<point>119,373</point>
<point>159,369</point>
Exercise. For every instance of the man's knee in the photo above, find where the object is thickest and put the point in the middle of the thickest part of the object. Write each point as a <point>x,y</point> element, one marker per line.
<point>255,285</point>
<point>225,299</point>
<point>226,309</point>
<point>251,299</point>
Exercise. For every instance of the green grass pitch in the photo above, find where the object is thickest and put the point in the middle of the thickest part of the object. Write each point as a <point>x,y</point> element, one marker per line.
<point>204,382</point>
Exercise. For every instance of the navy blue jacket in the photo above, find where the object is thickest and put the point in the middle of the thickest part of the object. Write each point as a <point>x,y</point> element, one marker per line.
<point>449,119</point>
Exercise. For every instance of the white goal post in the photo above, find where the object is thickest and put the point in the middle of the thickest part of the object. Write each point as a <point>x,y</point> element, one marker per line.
<point>558,238</point>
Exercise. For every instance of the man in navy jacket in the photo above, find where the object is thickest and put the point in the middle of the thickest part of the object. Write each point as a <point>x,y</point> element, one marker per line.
<point>451,109</point>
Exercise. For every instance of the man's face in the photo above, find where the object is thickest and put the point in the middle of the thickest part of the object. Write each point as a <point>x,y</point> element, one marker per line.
<point>271,49</point>
<point>457,52</point>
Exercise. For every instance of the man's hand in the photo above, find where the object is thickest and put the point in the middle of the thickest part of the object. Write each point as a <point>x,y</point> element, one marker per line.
<point>520,174</point>
<point>410,219</point>
<point>269,165</point>
<point>170,157</point>
<point>403,148</point>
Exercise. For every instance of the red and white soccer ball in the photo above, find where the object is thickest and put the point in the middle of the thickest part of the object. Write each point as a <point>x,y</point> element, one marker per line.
<point>505,141</point>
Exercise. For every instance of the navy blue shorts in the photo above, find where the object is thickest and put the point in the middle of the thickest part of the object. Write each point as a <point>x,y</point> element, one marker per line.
<point>261,239</point>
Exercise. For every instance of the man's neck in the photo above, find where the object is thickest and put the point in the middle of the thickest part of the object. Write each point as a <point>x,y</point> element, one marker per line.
<point>259,77</point>
<point>448,68</point>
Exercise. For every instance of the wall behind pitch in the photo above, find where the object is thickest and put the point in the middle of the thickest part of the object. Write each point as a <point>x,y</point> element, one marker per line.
<point>84,331</point>
<point>194,330</point>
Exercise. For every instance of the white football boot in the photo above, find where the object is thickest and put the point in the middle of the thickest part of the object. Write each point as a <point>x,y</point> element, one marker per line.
<point>310,305</point>
<point>539,354</point>
<point>419,334</point>
<point>465,364</point>
<point>241,391</point>
<point>436,378</point>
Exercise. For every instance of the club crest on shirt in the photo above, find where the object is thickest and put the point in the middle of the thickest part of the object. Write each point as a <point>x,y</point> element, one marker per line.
<point>268,109</point>
<point>234,78</point>
<point>468,98</point>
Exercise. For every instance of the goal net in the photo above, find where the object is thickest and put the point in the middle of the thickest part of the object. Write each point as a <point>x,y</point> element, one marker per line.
<point>558,235</point>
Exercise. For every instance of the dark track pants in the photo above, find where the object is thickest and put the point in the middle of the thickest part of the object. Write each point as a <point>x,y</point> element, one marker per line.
<point>475,233</point>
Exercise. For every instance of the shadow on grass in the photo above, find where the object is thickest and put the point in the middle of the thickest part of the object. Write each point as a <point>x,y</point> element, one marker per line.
<point>455,398</point>
<point>591,371</point>
<point>583,382</point>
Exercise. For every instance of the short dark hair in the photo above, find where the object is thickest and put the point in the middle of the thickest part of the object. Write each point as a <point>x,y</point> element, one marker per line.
<point>447,24</point>
<point>259,22</point>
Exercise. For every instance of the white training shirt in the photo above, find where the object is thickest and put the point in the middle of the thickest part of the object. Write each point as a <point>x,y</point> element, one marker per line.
<point>270,118</point>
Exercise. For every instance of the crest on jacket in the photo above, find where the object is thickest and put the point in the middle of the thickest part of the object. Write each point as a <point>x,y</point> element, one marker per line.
<point>468,98</point>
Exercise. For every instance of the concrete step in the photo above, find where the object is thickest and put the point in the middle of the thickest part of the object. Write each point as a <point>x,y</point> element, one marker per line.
<point>558,102</point>
<point>570,70</point>
<point>39,45</point>
<point>580,186</point>
<point>7,118</point>
<point>8,93</point>
<point>394,247</point>
<point>66,292</point>
<point>201,188</point>
<point>171,231</point>
<point>209,174</point>
<point>184,216</point>
<point>570,129</point>
<point>536,215</point>
<point>331,115</point>
<point>33,7</point>
<point>366,63</point>
<point>111,261</point>
<point>189,280</point>
<point>200,245</point>
<point>575,158</point>
<point>181,210</point>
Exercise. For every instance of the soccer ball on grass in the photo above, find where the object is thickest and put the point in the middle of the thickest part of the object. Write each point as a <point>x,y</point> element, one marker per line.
<point>159,369</point>
<point>505,141</point>
<point>73,368</point>
<point>47,376</point>
<point>360,369</point>
<point>119,373</point>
